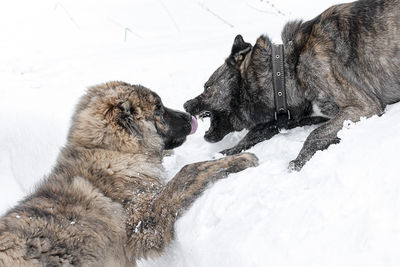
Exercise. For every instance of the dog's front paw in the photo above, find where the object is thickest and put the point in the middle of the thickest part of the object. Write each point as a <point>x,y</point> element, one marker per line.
<point>295,165</point>
<point>241,162</point>
<point>231,151</point>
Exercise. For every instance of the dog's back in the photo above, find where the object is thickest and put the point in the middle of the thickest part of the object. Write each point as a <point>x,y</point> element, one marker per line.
<point>361,44</point>
<point>379,48</point>
<point>67,222</point>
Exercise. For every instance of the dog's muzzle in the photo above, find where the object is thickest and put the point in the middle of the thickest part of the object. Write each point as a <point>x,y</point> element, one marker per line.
<point>192,106</point>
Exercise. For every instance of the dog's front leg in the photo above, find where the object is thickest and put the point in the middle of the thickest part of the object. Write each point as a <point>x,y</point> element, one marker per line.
<point>266,131</point>
<point>192,179</point>
<point>257,134</point>
<point>307,121</point>
<point>153,231</point>
<point>325,135</point>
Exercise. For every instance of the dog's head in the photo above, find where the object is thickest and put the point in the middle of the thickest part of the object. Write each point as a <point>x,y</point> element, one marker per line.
<point>220,98</point>
<point>128,118</point>
<point>239,94</point>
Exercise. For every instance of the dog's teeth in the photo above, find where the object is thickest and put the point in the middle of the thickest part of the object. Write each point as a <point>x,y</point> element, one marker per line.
<point>204,114</point>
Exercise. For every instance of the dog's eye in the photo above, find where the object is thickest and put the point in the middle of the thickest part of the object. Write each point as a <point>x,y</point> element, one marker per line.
<point>159,108</point>
<point>208,88</point>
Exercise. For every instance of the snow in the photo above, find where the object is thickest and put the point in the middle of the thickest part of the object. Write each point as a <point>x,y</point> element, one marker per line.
<point>342,209</point>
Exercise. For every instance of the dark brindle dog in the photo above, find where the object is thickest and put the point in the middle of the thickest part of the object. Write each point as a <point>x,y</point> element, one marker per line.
<point>344,64</point>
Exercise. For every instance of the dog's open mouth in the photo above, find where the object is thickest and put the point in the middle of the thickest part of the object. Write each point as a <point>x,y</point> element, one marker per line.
<point>211,134</point>
<point>219,125</point>
<point>219,121</point>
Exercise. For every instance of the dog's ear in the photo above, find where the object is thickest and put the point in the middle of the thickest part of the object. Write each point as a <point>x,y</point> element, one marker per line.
<point>126,118</point>
<point>239,51</point>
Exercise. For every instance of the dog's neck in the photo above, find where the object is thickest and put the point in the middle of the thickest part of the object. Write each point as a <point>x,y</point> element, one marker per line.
<point>295,35</point>
<point>259,84</point>
<point>257,75</point>
<point>282,113</point>
<point>294,95</point>
<point>117,175</point>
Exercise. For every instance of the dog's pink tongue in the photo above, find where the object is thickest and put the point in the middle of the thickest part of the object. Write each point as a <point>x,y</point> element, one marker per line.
<point>194,125</point>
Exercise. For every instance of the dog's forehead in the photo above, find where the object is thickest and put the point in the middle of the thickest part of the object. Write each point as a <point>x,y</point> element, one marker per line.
<point>148,97</point>
<point>219,73</point>
<point>137,95</point>
<point>116,94</point>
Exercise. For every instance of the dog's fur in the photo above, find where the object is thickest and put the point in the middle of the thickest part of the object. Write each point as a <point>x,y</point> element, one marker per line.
<point>345,64</point>
<point>104,203</point>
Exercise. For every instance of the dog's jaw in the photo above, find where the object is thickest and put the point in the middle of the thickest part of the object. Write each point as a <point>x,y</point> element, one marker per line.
<point>220,126</point>
<point>220,122</point>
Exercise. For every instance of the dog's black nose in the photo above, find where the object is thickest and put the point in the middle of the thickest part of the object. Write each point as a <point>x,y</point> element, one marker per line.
<point>190,104</point>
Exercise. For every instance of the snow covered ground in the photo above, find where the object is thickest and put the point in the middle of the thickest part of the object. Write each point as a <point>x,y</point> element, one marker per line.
<point>342,209</point>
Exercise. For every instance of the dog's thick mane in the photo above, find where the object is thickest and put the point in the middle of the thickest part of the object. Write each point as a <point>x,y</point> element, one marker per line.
<point>294,36</point>
<point>98,165</point>
<point>290,30</point>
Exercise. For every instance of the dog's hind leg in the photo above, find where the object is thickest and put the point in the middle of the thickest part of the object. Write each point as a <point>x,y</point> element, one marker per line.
<point>156,229</point>
<point>325,135</point>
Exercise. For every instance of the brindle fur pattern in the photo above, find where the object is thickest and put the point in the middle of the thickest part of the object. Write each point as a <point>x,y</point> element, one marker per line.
<point>105,203</point>
<point>345,63</point>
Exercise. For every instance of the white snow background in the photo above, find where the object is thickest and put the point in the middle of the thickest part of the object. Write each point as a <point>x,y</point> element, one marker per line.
<point>342,209</point>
